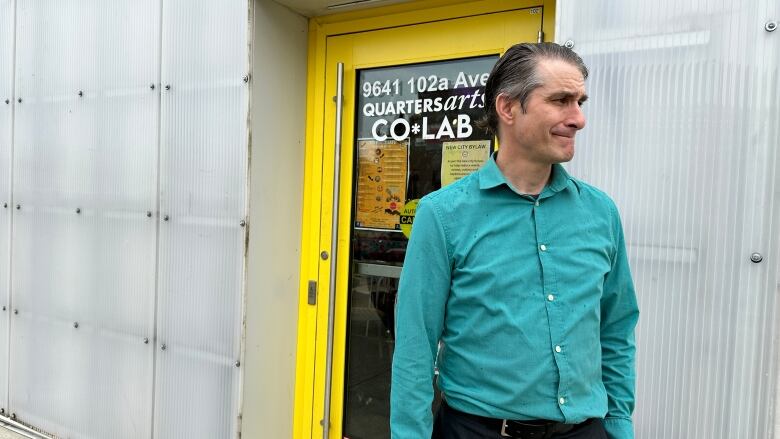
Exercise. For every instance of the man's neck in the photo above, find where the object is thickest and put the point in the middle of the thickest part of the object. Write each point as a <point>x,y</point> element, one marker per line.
<point>525,176</point>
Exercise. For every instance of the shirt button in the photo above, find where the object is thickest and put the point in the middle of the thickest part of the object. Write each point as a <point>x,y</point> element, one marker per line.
<point>561,400</point>
<point>543,247</point>
<point>550,297</point>
<point>537,203</point>
<point>558,349</point>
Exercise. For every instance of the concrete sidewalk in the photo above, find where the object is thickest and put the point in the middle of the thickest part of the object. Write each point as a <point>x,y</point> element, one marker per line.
<point>8,434</point>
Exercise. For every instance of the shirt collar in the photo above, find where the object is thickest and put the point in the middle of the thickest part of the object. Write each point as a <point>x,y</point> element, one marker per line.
<point>490,176</point>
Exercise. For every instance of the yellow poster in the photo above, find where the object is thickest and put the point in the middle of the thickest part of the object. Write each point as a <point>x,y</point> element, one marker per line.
<point>407,217</point>
<point>461,158</point>
<point>381,188</point>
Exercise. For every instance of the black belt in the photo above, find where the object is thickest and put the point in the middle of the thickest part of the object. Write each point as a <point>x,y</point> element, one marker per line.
<point>536,429</point>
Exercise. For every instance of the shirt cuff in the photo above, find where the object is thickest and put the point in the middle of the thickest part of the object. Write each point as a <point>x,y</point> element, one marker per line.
<point>619,428</point>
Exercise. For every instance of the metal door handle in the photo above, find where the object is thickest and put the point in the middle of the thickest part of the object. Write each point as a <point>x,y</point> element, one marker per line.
<point>333,249</point>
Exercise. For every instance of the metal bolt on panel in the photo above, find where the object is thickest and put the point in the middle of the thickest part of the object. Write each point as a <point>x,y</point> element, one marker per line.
<point>770,26</point>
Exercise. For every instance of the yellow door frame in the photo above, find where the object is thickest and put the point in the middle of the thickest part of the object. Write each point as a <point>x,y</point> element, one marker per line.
<point>318,179</point>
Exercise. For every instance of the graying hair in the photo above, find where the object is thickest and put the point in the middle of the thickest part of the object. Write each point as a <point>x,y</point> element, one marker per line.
<point>516,76</point>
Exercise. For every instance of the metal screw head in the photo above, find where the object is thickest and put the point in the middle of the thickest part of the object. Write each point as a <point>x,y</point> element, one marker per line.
<point>166,218</point>
<point>770,26</point>
<point>238,364</point>
<point>3,307</point>
<point>151,86</point>
<point>78,210</point>
<point>2,411</point>
<point>7,101</point>
<point>246,78</point>
<point>81,94</point>
<point>13,415</point>
<point>324,255</point>
<point>163,347</point>
<point>242,223</point>
<point>568,44</point>
<point>148,213</point>
<point>146,340</point>
<point>756,258</point>
<point>76,325</point>
<point>5,205</point>
<point>18,207</point>
<point>167,86</point>
<point>16,311</point>
<point>19,100</point>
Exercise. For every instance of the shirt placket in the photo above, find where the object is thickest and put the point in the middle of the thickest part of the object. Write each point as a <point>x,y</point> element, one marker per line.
<point>545,248</point>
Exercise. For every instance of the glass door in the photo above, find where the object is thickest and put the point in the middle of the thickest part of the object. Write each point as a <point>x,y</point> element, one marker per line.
<point>410,98</point>
<point>414,133</point>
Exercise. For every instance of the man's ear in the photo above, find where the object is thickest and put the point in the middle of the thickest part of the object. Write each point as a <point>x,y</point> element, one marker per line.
<point>505,109</point>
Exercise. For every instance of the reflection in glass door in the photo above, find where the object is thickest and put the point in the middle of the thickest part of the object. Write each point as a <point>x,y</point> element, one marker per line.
<point>415,132</point>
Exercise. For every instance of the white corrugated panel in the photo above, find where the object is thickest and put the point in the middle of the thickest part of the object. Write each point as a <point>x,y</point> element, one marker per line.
<point>85,166</point>
<point>203,172</point>
<point>683,130</point>
<point>6,108</point>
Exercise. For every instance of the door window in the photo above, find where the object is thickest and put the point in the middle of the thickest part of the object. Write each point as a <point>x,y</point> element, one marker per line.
<point>415,132</point>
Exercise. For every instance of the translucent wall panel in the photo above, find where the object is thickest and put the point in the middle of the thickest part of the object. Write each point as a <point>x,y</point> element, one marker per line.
<point>683,133</point>
<point>203,171</point>
<point>6,107</point>
<point>85,176</point>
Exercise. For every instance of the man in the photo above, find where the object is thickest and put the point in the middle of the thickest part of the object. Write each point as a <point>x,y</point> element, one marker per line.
<point>516,282</point>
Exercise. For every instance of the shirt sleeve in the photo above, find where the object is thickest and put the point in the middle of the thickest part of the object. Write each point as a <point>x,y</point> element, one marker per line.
<point>619,315</point>
<point>422,296</point>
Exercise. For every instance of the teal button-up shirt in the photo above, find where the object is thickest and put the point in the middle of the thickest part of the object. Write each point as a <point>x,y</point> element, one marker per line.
<point>531,300</point>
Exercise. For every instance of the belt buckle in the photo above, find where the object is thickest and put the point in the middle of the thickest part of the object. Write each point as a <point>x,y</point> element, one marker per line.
<point>503,429</point>
<point>513,432</point>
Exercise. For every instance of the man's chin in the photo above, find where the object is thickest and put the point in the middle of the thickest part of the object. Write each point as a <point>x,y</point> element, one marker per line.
<point>566,157</point>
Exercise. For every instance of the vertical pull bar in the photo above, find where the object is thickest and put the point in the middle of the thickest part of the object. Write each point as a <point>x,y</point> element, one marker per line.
<point>333,249</point>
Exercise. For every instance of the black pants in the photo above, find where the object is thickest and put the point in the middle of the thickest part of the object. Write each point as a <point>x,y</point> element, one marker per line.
<point>451,424</point>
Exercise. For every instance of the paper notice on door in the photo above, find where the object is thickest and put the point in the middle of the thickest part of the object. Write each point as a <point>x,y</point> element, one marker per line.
<point>381,187</point>
<point>461,158</point>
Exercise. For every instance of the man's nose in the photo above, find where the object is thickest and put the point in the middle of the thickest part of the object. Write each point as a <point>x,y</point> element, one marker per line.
<point>576,118</point>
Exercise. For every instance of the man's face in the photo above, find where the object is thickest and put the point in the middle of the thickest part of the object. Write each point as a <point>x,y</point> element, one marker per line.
<point>545,133</point>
